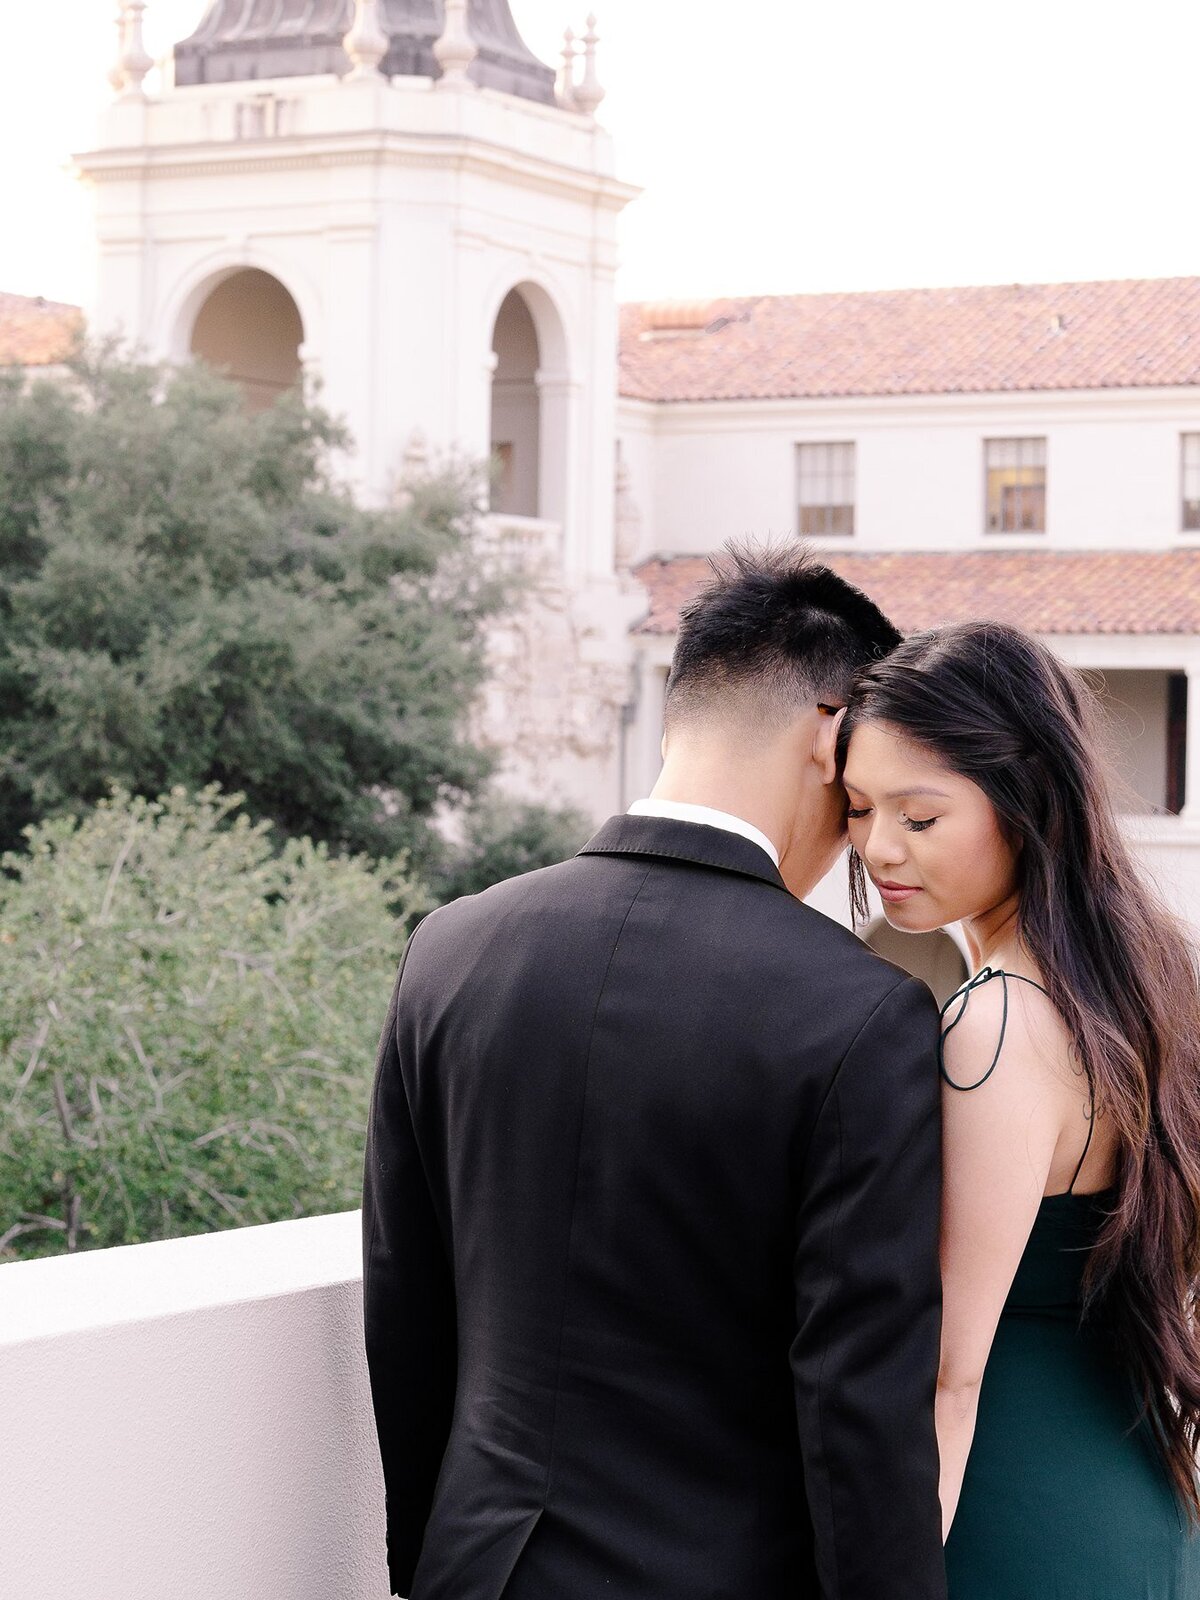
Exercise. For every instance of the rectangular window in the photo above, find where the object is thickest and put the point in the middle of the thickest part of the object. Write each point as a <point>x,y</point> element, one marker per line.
<point>825,488</point>
<point>1191,482</point>
<point>1016,485</point>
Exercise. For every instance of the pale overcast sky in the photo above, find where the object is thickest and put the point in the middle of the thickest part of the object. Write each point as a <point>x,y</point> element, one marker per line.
<point>784,145</point>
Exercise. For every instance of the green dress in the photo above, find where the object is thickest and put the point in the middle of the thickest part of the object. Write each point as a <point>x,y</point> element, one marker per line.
<point>1064,1497</point>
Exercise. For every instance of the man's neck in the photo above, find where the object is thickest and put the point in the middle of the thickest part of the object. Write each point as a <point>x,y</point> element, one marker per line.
<point>707,816</point>
<point>726,782</point>
<point>732,800</point>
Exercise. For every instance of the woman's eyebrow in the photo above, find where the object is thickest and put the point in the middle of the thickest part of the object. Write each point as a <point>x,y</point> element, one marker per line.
<point>923,790</point>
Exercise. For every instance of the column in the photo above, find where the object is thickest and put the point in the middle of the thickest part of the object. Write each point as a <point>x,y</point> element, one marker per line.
<point>350,362</point>
<point>1191,780</point>
<point>557,407</point>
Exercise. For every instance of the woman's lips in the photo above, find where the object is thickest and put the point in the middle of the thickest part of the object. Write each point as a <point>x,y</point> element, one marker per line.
<point>895,894</point>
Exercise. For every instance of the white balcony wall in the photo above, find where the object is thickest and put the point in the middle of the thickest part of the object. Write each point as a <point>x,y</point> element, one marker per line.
<point>722,470</point>
<point>191,1420</point>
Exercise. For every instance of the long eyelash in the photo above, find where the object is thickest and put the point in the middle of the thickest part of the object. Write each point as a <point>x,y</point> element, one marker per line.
<point>908,822</point>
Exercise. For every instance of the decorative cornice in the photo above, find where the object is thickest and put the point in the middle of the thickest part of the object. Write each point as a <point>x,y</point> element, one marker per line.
<point>979,408</point>
<point>436,152</point>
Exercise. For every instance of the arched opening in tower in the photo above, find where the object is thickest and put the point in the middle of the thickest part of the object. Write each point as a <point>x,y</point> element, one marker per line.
<point>249,329</point>
<point>516,411</point>
<point>933,957</point>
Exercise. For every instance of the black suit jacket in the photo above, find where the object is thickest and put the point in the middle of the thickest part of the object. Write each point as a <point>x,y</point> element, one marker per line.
<point>650,1230</point>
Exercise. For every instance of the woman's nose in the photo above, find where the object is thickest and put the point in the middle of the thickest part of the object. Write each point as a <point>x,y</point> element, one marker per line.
<point>885,848</point>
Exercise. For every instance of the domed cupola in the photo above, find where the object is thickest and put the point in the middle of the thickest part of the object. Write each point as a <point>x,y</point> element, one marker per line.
<point>240,40</point>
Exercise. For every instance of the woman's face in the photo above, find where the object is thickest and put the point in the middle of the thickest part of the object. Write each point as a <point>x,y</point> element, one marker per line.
<point>929,839</point>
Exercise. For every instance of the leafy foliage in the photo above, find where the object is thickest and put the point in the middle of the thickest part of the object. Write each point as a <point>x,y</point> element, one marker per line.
<point>191,608</point>
<point>503,838</point>
<point>186,597</point>
<point>189,1024</point>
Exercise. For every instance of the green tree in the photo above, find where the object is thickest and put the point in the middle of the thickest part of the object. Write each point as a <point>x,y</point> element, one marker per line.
<point>187,597</point>
<point>189,1024</point>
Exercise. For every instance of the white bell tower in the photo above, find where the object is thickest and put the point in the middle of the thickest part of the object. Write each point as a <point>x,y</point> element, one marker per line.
<point>397,196</point>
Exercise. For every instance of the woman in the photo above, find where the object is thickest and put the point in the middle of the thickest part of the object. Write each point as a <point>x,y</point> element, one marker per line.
<point>1071,1060</point>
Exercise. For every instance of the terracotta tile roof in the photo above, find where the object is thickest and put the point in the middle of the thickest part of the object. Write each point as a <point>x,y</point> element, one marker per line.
<point>1092,591</point>
<point>36,333</point>
<point>916,341</point>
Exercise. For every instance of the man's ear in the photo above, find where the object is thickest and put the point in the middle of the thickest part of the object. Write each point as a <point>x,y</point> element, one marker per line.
<point>825,745</point>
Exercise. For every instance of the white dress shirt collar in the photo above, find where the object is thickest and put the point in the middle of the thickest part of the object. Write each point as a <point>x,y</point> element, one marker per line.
<point>682,811</point>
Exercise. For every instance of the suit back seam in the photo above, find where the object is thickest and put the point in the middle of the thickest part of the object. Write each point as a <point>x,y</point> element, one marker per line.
<point>845,1056</point>
<point>562,1322</point>
<point>834,1233</point>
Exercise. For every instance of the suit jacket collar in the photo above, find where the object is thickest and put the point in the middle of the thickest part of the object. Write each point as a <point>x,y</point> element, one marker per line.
<point>684,841</point>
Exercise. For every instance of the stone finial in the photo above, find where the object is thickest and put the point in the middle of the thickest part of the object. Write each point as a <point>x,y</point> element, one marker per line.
<point>566,76</point>
<point>366,43</point>
<point>133,60</point>
<point>116,74</point>
<point>456,49</point>
<point>588,93</point>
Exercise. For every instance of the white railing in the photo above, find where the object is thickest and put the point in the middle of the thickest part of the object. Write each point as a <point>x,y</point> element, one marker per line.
<point>191,1420</point>
<point>533,538</point>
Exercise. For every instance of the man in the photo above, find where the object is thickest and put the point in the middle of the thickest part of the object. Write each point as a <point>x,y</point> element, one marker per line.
<point>652,1179</point>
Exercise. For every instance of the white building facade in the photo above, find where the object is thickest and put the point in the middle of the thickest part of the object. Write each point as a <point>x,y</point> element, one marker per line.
<point>437,247</point>
<point>1029,453</point>
<point>397,197</point>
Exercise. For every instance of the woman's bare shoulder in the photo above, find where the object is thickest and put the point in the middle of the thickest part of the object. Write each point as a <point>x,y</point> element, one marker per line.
<point>1004,1022</point>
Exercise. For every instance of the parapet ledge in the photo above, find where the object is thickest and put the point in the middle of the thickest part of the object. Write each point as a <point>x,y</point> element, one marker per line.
<point>66,1294</point>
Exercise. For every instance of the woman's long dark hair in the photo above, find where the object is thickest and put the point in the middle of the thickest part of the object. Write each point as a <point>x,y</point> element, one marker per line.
<point>997,707</point>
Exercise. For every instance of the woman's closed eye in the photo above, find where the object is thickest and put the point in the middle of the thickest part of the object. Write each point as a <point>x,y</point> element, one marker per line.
<point>913,824</point>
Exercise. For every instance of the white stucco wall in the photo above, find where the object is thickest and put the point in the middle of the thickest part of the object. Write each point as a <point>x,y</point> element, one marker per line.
<point>709,472</point>
<point>190,1420</point>
<point>398,216</point>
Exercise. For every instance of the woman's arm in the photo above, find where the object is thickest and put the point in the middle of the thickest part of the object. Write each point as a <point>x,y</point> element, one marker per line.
<point>999,1142</point>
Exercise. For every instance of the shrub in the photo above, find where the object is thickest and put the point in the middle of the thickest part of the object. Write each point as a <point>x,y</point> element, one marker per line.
<point>189,1024</point>
<point>503,838</point>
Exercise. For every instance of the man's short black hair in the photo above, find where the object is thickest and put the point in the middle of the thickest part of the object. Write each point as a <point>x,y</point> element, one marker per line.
<point>773,631</point>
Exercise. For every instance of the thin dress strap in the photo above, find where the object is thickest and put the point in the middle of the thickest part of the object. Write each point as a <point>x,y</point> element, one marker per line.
<point>985,975</point>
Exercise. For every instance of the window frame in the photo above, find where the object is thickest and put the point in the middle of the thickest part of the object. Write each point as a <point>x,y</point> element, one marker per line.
<point>832,475</point>
<point>1186,437</point>
<point>1044,466</point>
